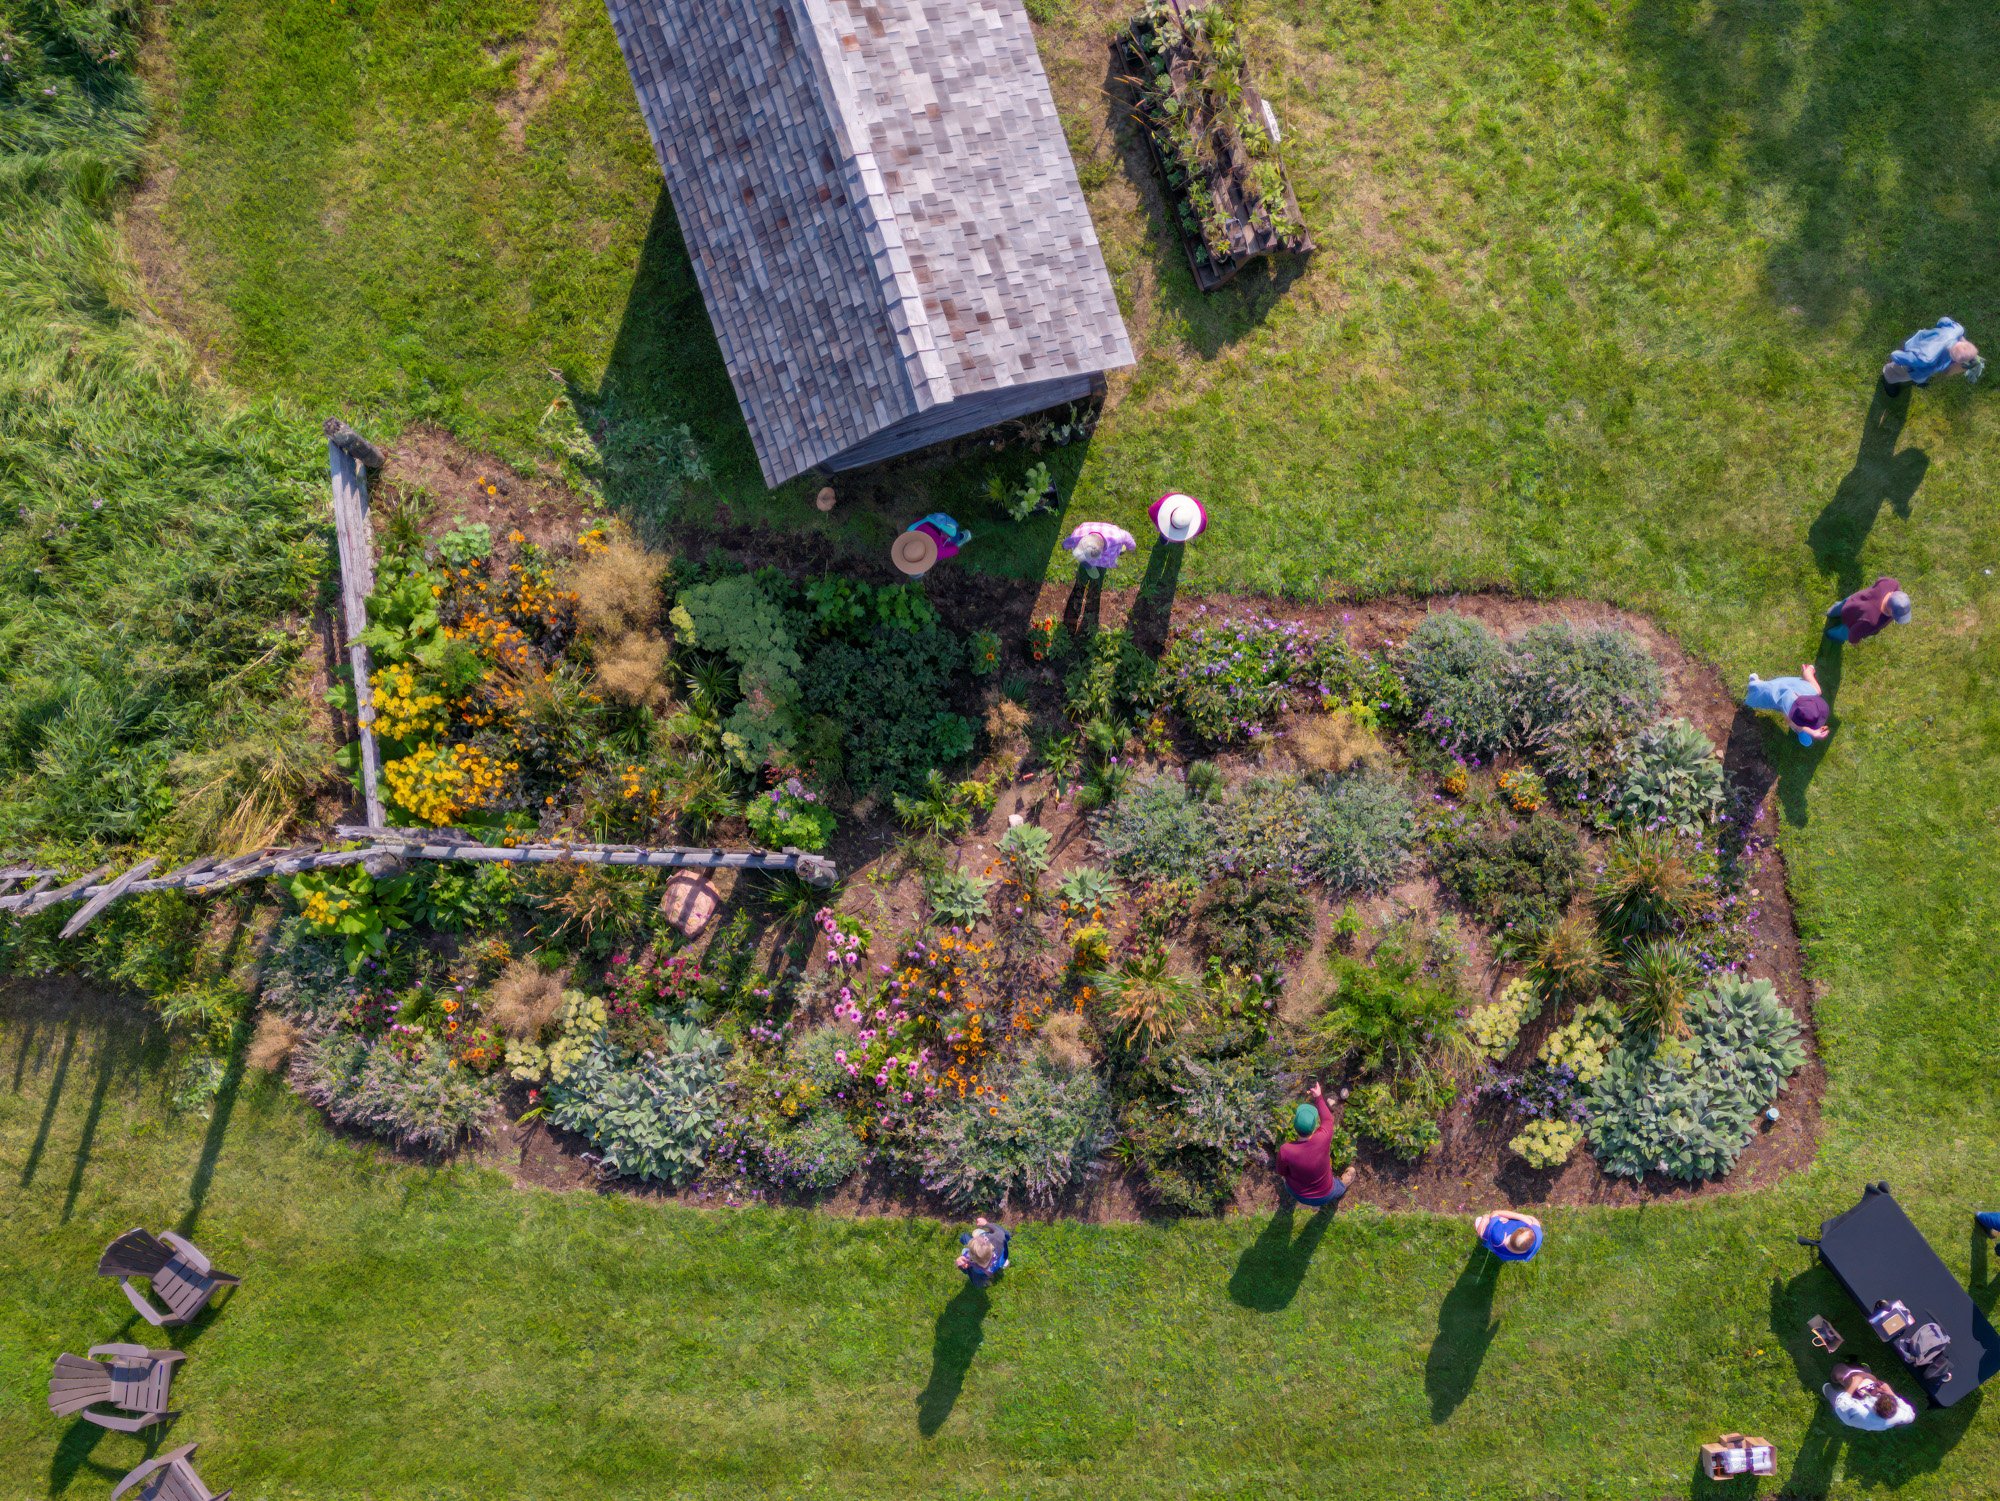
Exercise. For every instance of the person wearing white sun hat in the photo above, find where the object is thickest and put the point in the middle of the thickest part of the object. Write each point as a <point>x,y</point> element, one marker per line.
<point>1180,518</point>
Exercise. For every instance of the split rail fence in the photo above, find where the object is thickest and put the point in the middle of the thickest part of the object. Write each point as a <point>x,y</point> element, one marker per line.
<point>27,889</point>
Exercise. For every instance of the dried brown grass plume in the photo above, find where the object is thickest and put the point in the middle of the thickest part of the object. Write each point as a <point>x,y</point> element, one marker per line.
<point>524,1001</point>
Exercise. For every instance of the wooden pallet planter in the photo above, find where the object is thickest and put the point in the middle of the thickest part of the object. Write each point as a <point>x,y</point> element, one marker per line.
<point>1228,195</point>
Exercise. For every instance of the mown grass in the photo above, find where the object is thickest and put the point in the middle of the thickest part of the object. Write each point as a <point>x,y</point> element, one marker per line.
<point>1602,292</point>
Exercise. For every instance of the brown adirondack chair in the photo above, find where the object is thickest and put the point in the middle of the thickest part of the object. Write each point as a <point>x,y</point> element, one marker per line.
<point>180,1275</point>
<point>169,1477</point>
<point>135,1379</point>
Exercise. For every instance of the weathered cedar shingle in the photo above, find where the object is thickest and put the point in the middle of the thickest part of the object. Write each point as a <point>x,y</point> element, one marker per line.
<point>880,208</point>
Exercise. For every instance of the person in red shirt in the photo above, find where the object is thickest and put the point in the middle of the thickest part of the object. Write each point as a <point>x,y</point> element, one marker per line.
<point>1867,612</point>
<point>1306,1165</point>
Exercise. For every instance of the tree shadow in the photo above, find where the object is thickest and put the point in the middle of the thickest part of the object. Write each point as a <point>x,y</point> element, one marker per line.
<point>49,1106</point>
<point>960,1329</point>
<point>1891,213</point>
<point>1466,1327</point>
<point>218,1125</point>
<point>114,1056</point>
<point>1880,476</point>
<point>1272,1268</point>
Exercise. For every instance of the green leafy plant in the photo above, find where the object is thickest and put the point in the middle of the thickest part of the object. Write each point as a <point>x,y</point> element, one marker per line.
<point>1688,1108</point>
<point>982,653</point>
<point>1546,1144</point>
<point>409,1089</point>
<point>1155,829</point>
<point>1516,878</point>
<point>1387,1015</point>
<point>1401,1114</point>
<point>1672,780</point>
<point>958,899</point>
<point>656,1116</point>
<point>789,814</point>
<point>1032,1135</point>
<point>1034,493</point>
<point>1495,1028</point>
<point>943,809</point>
<point>1087,888</point>
<point>350,903</point>
<point>1025,848</point>
<point>1109,680</point>
<point>1259,926</point>
<point>884,694</point>
<point>465,544</point>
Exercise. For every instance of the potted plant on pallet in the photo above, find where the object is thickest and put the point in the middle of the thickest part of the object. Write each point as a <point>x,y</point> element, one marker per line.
<point>1213,136</point>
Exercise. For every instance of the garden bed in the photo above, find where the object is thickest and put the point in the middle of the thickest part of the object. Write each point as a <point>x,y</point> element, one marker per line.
<point>1213,1021</point>
<point>1213,137</point>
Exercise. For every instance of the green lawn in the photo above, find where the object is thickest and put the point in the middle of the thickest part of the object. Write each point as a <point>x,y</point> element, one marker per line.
<point>1602,295</point>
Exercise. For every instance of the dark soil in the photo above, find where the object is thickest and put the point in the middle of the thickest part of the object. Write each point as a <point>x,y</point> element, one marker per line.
<point>1471,1169</point>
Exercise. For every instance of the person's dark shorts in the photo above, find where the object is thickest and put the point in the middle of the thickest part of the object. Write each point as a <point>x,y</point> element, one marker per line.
<point>1339,1192</point>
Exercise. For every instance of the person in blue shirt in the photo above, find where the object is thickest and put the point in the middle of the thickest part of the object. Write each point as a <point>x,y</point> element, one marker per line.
<point>1989,1221</point>
<point>1798,699</point>
<point>985,1254</point>
<point>1941,349</point>
<point>1510,1236</point>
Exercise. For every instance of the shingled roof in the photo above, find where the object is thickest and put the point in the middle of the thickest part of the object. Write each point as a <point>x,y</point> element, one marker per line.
<point>882,214</point>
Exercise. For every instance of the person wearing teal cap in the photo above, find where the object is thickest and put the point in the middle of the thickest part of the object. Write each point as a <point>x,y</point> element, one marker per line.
<point>1306,1165</point>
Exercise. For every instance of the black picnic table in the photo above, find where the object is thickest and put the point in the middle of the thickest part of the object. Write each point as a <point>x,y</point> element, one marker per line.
<point>1876,1253</point>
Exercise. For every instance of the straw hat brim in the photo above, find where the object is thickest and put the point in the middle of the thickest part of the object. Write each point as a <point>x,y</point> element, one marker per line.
<point>914,552</point>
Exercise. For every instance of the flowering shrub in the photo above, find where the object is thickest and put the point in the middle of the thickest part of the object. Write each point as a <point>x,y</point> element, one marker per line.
<point>1546,1144</point>
<point>1194,1122</point>
<point>982,654</point>
<point>404,1086</point>
<point>350,904</point>
<point>1034,1137</point>
<point>1401,1114</point>
<point>441,785</point>
<point>789,815</point>
<point>1047,639</point>
<point>1495,1028</point>
<point>405,710</point>
<point>1231,678</point>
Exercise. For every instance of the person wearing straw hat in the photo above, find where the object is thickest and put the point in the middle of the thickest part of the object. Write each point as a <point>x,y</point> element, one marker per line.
<point>1180,518</point>
<point>1098,545</point>
<point>925,543</point>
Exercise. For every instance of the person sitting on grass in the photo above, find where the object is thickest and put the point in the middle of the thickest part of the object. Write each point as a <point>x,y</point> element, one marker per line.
<point>1305,1166</point>
<point>985,1254</point>
<point>1868,612</point>
<point>1860,1399</point>
<point>1798,699</point>
<point>1510,1236</point>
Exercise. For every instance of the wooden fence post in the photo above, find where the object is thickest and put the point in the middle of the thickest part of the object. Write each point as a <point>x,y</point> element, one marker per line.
<point>347,454</point>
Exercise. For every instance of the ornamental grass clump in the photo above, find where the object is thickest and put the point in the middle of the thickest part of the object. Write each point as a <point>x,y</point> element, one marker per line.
<point>1688,1108</point>
<point>1032,1138</point>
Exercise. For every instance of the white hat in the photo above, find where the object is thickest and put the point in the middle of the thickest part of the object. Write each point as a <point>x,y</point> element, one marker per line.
<point>1179,517</point>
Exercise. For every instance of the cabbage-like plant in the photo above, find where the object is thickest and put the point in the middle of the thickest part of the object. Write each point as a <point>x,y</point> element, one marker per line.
<point>654,1116</point>
<point>958,900</point>
<point>1672,780</point>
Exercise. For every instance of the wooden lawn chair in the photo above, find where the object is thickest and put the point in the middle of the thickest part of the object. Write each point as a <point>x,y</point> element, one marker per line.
<point>180,1275</point>
<point>134,1379</point>
<point>169,1477</point>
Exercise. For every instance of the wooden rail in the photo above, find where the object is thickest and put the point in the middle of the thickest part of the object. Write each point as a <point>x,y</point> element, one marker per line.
<point>348,455</point>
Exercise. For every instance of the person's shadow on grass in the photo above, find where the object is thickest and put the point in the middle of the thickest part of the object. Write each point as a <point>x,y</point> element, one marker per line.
<point>1880,476</point>
<point>960,1328</point>
<point>1153,607</point>
<point>1466,1327</point>
<point>1270,1270</point>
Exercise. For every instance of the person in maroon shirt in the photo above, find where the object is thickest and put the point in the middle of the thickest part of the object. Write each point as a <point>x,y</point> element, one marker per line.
<point>1867,612</point>
<point>1306,1165</point>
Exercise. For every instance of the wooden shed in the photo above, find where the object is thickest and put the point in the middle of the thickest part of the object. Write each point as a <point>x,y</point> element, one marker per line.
<point>882,214</point>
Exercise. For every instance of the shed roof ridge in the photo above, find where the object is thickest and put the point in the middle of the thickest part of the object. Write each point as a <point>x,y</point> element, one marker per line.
<point>851,111</point>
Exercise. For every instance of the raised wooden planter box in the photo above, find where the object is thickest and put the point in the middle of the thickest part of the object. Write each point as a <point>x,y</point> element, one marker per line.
<point>1227,191</point>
